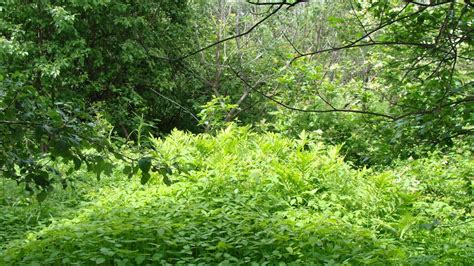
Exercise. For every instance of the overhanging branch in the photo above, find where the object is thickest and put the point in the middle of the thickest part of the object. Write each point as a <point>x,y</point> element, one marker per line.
<point>273,12</point>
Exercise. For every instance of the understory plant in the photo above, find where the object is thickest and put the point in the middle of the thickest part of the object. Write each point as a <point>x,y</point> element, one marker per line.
<point>240,197</point>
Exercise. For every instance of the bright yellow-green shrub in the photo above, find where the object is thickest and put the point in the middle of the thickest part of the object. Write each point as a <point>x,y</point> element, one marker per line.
<point>242,197</point>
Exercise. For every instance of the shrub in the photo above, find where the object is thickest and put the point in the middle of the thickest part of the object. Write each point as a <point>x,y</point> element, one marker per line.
<point>240,197</point>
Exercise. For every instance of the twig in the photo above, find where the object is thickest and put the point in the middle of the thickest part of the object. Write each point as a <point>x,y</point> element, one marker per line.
<point>225,39</point>
<point>173,101</point>
<point>366,35</point>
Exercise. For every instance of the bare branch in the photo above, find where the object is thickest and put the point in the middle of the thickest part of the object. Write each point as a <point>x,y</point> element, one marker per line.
<point>359,20</point>
<point>150,87</point>
<point>392,118</point>
<point>309,110</point>
<point>468,99</point>
<point>275,10</point>
<point>350,46</point>
<point>292,44</point>
<point>366,35</point>
<point>268,3</point>
<point>290,5</point>
<point>430,4</point>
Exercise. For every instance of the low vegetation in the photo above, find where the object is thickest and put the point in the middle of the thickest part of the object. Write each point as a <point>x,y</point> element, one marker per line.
<point>241,197</point>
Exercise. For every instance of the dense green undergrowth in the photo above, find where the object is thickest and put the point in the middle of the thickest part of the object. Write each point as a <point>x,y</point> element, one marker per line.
<point>243,197</point>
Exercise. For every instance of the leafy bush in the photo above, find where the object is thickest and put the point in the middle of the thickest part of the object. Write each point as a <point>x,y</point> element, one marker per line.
<point>21,210</point>
<point>240,197</point>
<point>65,62</point>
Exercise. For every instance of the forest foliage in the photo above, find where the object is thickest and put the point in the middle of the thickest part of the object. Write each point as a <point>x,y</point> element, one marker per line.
<point>245,197</point>
<point>162,131</point>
